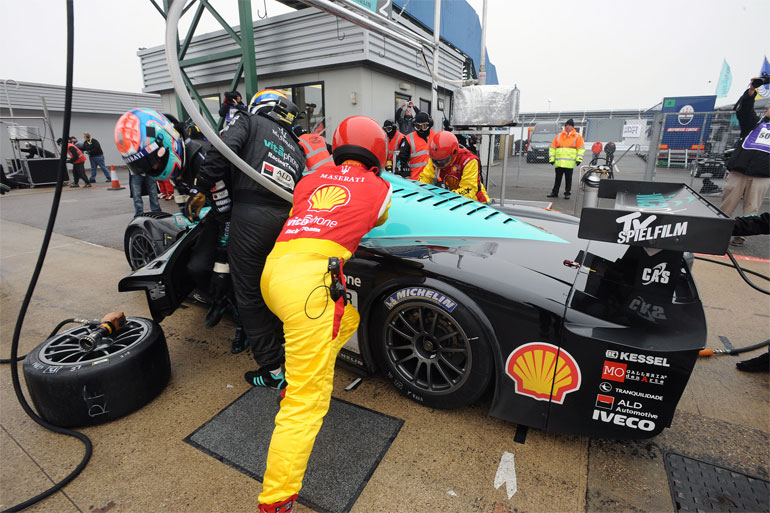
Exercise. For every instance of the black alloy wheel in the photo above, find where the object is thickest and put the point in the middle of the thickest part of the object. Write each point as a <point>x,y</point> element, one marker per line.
<point>141,249</point>
<point>435,357</point>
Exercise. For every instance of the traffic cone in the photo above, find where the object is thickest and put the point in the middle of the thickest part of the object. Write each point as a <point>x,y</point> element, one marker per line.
<point>115,185</point>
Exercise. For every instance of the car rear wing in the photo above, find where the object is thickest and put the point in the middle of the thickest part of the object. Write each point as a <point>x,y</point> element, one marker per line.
<point>662,220</point>
<point>658,215</point>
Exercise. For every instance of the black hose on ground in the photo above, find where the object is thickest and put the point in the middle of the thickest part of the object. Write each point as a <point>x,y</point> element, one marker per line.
<point>740,270</point>
<point>53,332</point>
<point>33,281</point>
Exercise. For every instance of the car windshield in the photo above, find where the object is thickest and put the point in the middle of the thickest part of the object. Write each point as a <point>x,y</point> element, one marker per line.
<point>542,137</point>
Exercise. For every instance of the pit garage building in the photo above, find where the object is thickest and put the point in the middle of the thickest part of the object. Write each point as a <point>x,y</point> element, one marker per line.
<point>332,68</point>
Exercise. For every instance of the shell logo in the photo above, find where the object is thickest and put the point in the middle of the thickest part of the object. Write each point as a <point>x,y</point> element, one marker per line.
<point>543,372</point>
<point>329,197</point>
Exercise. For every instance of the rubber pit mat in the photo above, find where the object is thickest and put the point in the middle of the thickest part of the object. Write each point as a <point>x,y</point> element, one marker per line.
<point>703,487</point>
<point>352,442</point>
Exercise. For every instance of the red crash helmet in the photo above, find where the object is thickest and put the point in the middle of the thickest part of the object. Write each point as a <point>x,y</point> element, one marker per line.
<point>443,148</point>
<point>360,138</point>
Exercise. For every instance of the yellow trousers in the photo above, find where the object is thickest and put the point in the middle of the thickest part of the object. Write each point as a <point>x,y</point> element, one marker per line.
<point>315,330</point>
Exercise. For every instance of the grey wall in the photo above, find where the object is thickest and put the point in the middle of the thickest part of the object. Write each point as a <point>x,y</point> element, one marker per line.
<point>101,127</point>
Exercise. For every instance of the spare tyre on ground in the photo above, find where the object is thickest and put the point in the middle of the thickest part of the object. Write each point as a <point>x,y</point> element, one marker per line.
<point>71,387</point>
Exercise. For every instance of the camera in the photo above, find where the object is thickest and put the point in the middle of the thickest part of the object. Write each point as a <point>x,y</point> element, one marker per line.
<point>760,81</point>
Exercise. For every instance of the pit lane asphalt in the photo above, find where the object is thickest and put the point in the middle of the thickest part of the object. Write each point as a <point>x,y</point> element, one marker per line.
<point>441,461</point>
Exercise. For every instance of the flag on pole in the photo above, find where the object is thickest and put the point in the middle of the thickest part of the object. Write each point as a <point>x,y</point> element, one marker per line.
<point>764,91</point>
<point>725,80</point>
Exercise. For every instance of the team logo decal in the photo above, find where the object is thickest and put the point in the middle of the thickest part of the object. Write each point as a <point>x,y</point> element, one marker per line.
<point>278,175</point>
<point>329,197</point>
<point>543,372</point>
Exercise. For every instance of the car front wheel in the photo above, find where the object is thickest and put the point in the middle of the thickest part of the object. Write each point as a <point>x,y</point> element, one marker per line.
<point>434,356</point>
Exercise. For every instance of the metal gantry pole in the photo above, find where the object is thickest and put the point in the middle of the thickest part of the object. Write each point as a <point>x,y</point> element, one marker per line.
<point>436,52</point>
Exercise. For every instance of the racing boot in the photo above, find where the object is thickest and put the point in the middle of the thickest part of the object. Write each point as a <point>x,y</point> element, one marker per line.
<point>240,341</point>
<point>286,506</point>
<point>266,378</point>
<point>215,312</point>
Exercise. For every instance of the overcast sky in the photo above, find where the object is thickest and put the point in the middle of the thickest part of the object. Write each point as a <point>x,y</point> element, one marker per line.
<point>593,54</point>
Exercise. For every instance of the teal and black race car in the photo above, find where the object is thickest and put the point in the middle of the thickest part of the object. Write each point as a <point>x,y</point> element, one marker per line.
<point>588,326</point>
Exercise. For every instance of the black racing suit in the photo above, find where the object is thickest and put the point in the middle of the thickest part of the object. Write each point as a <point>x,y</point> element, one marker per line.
<point>257,218</point>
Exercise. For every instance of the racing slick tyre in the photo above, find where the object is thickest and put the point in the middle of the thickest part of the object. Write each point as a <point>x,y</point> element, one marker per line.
<point>433,356</point>
<point>141,248</point>
<point>71,387</point>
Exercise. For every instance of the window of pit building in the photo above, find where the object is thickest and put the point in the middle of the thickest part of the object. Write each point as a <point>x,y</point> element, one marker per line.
<point>425,106</point>
<point>212,103</point>
<point>309,99</point>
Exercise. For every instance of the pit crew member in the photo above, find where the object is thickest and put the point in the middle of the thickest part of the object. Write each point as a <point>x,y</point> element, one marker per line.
<point>304,285</point>
<point>263,138</point>
<point>456,168</point>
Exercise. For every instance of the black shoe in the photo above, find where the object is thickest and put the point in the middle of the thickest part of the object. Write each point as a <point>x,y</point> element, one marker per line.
<point>264,378</point>
<point>74,186</point>
<point>93,180</point>
<point>240,342</point>
<point>567,195</point>
<point>759,364</point>
<point>552,195</point>
<point>215,312</point>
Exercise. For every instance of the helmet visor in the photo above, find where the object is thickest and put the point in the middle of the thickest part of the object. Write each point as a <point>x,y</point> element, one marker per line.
<point>150,160</point>
<point>443,162</point>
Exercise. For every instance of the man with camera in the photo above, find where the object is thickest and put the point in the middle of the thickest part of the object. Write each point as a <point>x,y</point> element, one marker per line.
<point>231,105</point>
<point>405,117</point>
<point>749,165</point>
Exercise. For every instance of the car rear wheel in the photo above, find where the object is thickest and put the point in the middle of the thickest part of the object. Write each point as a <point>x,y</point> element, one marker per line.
<point>72,387</point>
<point>434,356</point>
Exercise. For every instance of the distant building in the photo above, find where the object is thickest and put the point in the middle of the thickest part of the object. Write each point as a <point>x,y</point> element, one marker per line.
<point>340,68</point>
<point>93,110</point>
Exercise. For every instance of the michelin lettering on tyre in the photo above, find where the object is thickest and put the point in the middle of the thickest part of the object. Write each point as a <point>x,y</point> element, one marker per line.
<point>543,372</point>
<point>434,296</point>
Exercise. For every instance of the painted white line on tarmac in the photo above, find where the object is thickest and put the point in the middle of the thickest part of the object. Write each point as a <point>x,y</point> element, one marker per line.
<point>506,474</point>
<point>37,250</point>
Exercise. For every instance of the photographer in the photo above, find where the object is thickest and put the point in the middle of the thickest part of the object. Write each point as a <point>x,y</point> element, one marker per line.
<point>232,103</point>
<point>749,165</point>
<point>405,117</point>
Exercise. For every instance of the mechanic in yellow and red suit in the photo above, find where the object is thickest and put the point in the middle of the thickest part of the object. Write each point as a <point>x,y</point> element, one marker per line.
<point>303,284</point>
<point>459,170</point>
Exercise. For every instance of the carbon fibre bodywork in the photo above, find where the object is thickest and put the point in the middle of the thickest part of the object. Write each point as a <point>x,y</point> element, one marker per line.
<point>587,337</point>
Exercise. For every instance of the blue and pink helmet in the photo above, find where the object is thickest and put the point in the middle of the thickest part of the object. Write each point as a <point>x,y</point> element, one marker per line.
<point>149,144</point>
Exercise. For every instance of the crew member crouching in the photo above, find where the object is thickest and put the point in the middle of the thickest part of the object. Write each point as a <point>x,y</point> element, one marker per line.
<point>454,167</point>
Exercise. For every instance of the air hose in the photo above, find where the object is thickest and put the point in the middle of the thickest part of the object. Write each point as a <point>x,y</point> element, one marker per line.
<point>737,350</point>
<point>33,281</point>
<point>740,270</point>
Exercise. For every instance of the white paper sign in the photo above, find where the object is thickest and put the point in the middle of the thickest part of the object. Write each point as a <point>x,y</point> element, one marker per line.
<point>632,131</point>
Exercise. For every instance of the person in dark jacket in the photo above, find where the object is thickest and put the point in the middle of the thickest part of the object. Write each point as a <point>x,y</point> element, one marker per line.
<point>263,138</point>
<point>96,156</point>
<point>749,165</point>
<point>231,105</point>
<point>405,117</point>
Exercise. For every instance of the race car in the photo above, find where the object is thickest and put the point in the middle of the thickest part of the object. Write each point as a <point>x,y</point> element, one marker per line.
<point>588,326</point>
